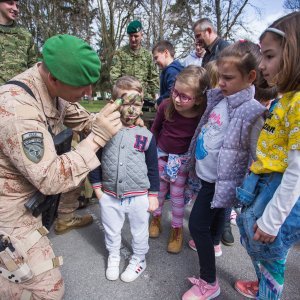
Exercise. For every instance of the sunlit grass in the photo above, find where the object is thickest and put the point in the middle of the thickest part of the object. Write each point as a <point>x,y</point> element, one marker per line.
<point>93,106</point>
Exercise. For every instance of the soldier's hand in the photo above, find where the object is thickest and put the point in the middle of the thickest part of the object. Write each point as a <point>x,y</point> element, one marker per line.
<point>107,123</point>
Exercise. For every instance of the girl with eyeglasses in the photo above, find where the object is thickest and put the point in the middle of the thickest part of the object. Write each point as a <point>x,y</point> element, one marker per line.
<point>221,149</point>
<point>173,128</point>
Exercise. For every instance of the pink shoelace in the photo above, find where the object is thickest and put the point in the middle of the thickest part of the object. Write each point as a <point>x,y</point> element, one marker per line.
<point>202,285</point>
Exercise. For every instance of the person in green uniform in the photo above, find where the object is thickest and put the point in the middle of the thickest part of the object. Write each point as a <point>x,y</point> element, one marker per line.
<point>17,51</point>
<point>135,60</point>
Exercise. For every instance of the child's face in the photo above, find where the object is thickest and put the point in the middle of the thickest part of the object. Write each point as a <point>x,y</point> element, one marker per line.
<point>160,58</point>
<point>132,105</point>
<point>231,80</point>
<point>183,97</point>
<point>271,57</point>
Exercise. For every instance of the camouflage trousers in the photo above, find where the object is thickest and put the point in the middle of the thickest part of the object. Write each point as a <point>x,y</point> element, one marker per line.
<point>47,285</point>
<point>68,204</point>
<point>69,201</point>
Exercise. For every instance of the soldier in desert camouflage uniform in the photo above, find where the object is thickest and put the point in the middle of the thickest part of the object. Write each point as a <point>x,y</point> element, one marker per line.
<point>136,61</point>
<point>17,51</point>
<point>28,160</point>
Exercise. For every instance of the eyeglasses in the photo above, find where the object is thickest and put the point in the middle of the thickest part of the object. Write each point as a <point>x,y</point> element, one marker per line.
<point>183,98</point>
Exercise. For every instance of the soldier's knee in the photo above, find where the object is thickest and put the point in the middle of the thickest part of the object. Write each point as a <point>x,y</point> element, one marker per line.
<point>49,287</point>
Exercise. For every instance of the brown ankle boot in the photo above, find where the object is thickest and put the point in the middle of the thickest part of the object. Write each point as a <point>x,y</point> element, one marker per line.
<point>175,240</point>
<point>63,226</point>
<point>155,227</point>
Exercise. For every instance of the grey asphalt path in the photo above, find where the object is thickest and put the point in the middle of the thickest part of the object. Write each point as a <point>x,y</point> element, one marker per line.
<point>165,276</point>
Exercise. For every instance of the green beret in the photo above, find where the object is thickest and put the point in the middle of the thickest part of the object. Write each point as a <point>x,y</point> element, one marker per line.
<point>134,27</point>
<point>71,60</point>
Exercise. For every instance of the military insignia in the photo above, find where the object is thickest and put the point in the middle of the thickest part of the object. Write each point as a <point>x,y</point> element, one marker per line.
<point>33,146</point>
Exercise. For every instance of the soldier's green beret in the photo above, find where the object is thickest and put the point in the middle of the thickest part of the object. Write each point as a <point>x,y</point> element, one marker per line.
<point>71,60</point>
<point>134,27</point>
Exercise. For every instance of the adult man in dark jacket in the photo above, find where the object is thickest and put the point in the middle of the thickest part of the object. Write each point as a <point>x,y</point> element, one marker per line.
<point>205,33</point>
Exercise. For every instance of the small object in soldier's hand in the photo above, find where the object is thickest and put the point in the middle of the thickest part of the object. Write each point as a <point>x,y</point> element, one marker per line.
<point>119,101</point>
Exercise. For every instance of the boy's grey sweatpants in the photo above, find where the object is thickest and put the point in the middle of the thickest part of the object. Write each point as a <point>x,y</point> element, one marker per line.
<point>113,210</point>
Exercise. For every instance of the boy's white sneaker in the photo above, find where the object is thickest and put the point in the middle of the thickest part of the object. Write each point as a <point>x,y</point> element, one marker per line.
<point>112,271</point>
<point>134,269</point>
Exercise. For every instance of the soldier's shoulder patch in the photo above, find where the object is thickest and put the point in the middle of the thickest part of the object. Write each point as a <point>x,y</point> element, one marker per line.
<point>33,145</point>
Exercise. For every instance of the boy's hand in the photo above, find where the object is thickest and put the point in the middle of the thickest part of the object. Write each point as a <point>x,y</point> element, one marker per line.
<point>98,193</point>
<point>153,203</point>
<point>139,122</point>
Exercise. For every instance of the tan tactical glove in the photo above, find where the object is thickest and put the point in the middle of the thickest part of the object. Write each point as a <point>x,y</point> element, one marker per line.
<point>107,123</point>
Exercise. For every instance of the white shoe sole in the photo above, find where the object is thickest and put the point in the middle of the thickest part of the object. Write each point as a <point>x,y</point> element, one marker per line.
<point>112,276</point>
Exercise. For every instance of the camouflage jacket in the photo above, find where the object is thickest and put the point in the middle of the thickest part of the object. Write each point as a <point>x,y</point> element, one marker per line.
<point>138,64</point>
<point>17,51</point>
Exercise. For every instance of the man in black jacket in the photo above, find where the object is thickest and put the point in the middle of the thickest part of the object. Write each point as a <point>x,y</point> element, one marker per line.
<point>206,34</point>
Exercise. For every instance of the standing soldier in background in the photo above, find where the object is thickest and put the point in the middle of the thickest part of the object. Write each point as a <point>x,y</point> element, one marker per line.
<point>17,51</point>
<point>136,61</point>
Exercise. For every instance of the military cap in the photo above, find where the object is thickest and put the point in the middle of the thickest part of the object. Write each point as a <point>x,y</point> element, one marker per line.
<point>134,27</point>
<point>71,60</point>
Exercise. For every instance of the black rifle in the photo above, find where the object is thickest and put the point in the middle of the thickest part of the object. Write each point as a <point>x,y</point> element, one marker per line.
<point>39,203</point>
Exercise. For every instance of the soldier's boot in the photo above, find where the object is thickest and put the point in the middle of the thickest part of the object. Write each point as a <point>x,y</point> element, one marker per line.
<point>175,240</point>
<point>65,225</point>
<point>155,227</point>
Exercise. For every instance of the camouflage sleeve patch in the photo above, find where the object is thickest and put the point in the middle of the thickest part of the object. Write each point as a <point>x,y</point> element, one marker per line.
<point>33,146</point>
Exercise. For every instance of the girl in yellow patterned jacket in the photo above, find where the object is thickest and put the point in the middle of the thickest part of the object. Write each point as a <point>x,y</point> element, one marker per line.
<point>269,223</point>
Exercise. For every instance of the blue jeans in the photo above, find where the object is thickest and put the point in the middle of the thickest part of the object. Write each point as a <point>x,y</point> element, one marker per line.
<point>261,188</point>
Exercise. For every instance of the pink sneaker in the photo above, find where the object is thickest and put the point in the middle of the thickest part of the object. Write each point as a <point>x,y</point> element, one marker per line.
<point>192,245</point>
<point>218,249</point>
<point>248,289</point>
<point>201,290</point>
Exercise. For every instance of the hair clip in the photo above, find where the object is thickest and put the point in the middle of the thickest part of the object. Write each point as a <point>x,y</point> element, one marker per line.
<point>275,30</point>
<point>243,41</point>
<point>204,91</point>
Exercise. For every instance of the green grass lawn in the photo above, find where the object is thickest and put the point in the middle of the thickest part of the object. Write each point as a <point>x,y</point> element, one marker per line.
<point>93,106</point>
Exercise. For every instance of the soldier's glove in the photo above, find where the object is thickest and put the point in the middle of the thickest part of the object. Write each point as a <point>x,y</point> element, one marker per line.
<point>107,123</point>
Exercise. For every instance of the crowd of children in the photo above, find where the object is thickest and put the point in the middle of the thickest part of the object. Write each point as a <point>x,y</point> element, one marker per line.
<point>211,125</point>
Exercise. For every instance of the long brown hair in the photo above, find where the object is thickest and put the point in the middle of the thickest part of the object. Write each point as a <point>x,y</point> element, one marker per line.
<point>288,77</point>
<point>197,79</point>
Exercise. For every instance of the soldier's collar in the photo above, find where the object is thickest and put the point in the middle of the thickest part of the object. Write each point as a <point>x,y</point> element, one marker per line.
<point>13,24</point>
<point>137,51</point>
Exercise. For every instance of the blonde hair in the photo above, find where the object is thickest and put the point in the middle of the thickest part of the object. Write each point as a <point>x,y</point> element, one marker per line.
<point>126,83</point>
<point>197,80</point>
<point>212,70</point>
<point>288,77</point>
